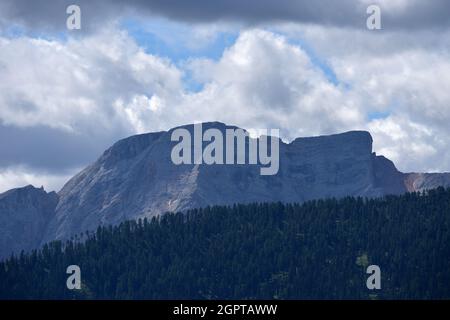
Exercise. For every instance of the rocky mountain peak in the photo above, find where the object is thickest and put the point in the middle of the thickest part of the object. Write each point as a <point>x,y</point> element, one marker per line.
<point>136,178</point>
<point>24,216</point>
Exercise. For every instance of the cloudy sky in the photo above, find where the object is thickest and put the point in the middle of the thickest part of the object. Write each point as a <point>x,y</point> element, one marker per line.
<point>306,67</point>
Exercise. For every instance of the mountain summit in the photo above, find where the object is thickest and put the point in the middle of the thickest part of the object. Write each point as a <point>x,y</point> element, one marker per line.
<point>24,217</point>
<point>136,178</point>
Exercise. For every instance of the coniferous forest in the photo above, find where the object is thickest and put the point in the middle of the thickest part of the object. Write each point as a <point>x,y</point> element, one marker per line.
<point>315,250</point>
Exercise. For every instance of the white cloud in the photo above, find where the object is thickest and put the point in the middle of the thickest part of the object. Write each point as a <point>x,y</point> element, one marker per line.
<point>403,75</point>
<point>139,110</point>
<point>19,176</point>
<point>105,84</point>
<point>263,81</point>
<point>411,144</point>
<point>73,85</point>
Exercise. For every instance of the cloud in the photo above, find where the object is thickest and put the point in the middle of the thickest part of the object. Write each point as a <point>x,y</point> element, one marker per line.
<point>263,81</point>
<point>397,14</point>
<point>63,101</point>
<point>63,84</point>
<point>402,77</point>
<point>411,145</point>
<point>19,176</point>
<point>47,149</point>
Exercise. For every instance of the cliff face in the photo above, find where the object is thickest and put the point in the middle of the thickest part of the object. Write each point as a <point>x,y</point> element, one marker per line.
<point>331,166</point>
<point>24,216</point>
<point>136,178</point>
<point>387,177</point>
<point>425,181</point>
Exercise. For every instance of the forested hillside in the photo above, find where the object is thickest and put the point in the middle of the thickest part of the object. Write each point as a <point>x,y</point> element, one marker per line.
<point>316,250</point>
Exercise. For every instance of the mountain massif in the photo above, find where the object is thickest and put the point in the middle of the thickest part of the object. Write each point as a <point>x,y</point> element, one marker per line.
<point>136,178</point>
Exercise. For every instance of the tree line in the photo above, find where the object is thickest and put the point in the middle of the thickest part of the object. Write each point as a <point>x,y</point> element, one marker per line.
<point>316,250</point>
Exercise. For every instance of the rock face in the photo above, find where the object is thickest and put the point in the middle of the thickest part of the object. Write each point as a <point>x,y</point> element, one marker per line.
<point>24,216</point>
<point>425,181</point>
<point>136,178</point>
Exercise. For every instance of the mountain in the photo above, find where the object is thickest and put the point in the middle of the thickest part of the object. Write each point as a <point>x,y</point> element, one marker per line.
<point>24,216</point>
<point>136,178</point>
<point>314,250</point>
<point>425,181</point>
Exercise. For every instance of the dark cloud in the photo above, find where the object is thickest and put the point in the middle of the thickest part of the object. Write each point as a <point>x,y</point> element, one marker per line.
<point>45,148</point>
<point>51,15</point>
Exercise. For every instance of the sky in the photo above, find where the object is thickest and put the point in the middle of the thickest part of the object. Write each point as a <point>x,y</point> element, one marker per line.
<point>306,67</point>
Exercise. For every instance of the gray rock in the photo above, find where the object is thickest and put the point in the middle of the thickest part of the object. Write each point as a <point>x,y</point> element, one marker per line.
<point>24,216</point>
<point>425,181</point>
<point>136,178</point>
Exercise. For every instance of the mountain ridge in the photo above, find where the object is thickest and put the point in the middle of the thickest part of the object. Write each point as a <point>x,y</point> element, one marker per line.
<point>135,178</point>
